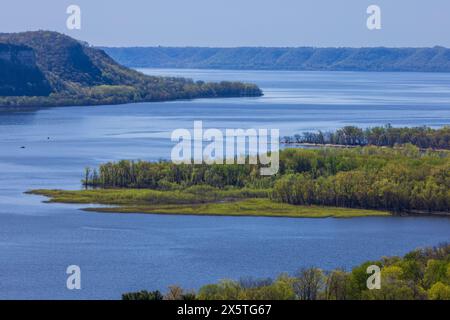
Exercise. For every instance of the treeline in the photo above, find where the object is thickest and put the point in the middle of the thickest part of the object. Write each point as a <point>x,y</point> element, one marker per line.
<point>159,90</point>
<point>398,180</point>
<point>164,175</point>
<point>395,179</point>
<point>422,274</point>
<point>422,137</point>
<point>382,59</point>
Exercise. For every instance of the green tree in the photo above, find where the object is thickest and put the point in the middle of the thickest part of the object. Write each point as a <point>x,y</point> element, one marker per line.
<point>439,291</point>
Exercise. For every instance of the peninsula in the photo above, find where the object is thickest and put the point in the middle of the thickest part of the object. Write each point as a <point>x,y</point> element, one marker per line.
<point>43,68</point>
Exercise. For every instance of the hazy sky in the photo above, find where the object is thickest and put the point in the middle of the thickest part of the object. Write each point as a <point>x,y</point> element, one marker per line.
<point>228,23</point>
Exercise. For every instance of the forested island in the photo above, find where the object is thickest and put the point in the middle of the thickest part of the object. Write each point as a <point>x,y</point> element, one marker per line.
<point>325,182</point>
<point>436,59</point>
<point>386,136</point>
<point>423,274</point>
<point>46,68</point>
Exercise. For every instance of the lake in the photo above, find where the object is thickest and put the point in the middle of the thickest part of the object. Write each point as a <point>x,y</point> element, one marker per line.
<point>119,253</point>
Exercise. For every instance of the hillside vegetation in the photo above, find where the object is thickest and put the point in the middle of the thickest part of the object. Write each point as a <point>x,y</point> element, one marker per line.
<point>47,68</point>
<point>435,59</point>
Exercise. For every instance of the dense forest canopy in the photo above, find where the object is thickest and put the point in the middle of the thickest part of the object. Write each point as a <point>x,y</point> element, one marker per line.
<point>47,68</point>
<point>402,179</point>
<point>422,137</point>
<point>435,59</point>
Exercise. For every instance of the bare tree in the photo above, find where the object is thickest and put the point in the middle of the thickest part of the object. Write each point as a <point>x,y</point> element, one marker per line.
<point>174,293</point>
<point>308,283</point>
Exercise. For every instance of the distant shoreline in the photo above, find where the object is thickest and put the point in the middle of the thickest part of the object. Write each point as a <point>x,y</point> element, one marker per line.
<point>423,138</point>
<point>342,146</point>
<point>370,59</point>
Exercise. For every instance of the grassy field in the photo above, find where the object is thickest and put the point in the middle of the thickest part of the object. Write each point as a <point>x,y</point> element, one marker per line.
<point>223,203</point>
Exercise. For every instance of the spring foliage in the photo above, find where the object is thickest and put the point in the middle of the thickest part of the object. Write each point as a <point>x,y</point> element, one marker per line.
<point>402,179</point>
<point>422,274</point>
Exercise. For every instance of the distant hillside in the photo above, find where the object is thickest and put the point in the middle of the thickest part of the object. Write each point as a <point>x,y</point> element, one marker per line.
<point>45,68</point>
<point>435,59</point>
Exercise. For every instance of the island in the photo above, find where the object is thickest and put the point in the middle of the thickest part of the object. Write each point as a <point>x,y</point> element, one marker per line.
<point>321,182</point>
<point>44,68</point>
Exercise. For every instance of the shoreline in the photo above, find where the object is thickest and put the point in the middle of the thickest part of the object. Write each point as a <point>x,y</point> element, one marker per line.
<point>344,146</point>
<point>249,207</point>
<point>233,207</point>
<point>46,102</point>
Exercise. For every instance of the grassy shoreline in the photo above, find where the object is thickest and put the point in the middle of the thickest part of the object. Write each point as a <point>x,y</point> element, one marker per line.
<point>146,201</point>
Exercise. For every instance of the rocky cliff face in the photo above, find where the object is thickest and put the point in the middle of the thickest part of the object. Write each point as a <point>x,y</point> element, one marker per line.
<point>19,73</point>
<point>17,55</point>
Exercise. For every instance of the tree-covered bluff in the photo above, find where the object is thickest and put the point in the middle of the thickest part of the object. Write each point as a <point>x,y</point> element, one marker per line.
<point>45,68</point>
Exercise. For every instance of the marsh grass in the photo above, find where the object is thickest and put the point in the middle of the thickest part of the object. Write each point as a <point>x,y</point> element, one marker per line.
<point>233,202</point>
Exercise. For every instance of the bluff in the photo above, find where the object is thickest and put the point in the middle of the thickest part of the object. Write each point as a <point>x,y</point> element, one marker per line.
<point>44,68</point>
<point>381,59</point>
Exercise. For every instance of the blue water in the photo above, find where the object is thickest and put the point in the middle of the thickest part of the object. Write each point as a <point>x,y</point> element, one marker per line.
<point>119,253</point>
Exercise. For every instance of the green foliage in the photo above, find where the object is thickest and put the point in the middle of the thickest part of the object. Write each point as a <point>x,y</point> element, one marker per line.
<point>158,175</point>
<point>395,179</point>
<point>232,202</point>
<point>224,290</point>
<point>143,295</point>
<point>310,183</point>
<point>393,286</point>
<point>397,282</point>
<point>63,71</point>
<point>192,195</point>
<point>399,180</point>
<point>338,286</point>
<point>422,137</point>
<point>439,291</point>
<point>436,271</point>
<point>280,289</point>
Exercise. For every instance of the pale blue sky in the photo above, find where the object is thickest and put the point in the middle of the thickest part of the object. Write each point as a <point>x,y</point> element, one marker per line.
<point>228,23</point>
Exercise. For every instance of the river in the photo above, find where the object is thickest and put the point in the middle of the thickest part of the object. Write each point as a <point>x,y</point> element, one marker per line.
<point>48,148</point>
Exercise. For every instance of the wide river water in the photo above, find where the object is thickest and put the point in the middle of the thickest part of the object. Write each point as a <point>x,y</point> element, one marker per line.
<point>119,253</point>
